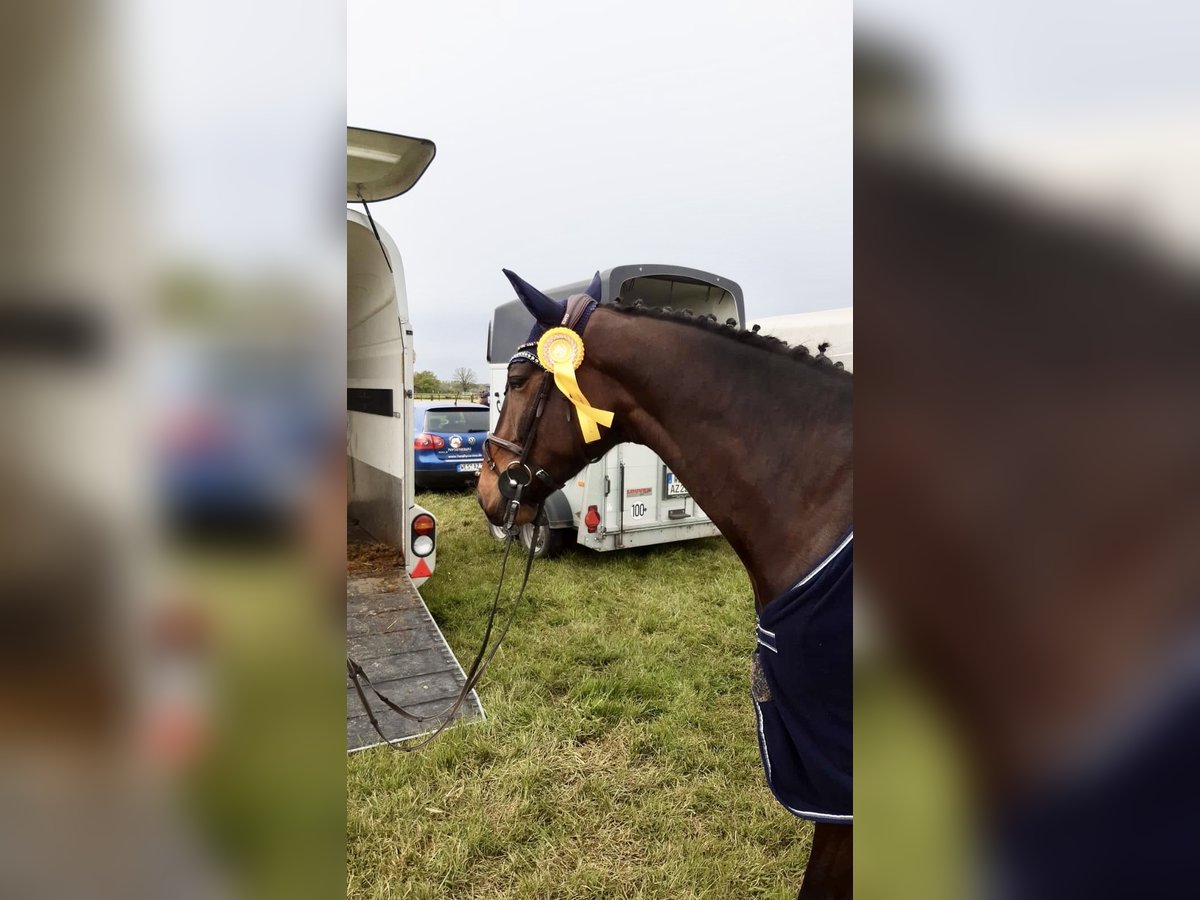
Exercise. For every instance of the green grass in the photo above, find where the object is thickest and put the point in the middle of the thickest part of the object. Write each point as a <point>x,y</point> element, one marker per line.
<point>266,794</point>
<point>619,755</point>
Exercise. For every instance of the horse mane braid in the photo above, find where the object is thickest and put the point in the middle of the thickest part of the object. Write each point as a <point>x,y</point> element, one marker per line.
<point>728,329</point>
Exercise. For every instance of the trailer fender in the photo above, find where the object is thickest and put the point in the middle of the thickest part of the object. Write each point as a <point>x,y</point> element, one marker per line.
<point>558,511</point>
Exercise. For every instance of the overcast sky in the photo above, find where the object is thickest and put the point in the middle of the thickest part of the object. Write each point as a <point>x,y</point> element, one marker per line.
<point>573,138</point>
<point>1017,65</point>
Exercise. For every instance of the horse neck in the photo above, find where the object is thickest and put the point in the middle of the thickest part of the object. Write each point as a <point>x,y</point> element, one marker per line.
<point>763,442</point>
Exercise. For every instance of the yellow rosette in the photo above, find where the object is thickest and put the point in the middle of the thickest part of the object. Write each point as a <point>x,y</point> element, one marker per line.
<point>560,350</point>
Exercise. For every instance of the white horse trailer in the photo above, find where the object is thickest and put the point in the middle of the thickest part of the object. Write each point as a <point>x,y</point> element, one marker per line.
<point>628,498</point>
<point>832,326</point>
<point>379,353</point>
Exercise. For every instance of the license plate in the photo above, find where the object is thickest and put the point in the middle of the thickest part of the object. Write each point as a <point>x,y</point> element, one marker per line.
<point>675,487</point>
<point>469,467</point>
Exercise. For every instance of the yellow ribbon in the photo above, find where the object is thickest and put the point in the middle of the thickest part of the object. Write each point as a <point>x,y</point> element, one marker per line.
<point>589,416</point>
<point>561,351</point>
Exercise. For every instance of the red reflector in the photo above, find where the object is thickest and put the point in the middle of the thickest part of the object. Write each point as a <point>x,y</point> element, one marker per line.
<point>592,519</point>
<point>422,524</point>
<point>421,569</point>
<point>428,442</point>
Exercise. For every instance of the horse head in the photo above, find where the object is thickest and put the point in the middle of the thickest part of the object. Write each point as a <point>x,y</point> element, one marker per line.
<point>537,444</point>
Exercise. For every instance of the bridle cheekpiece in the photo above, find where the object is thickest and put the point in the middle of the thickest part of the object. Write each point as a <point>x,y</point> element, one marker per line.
<point>558,353</point>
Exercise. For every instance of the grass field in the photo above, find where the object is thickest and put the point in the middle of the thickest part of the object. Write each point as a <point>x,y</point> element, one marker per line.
<point>619,755</point>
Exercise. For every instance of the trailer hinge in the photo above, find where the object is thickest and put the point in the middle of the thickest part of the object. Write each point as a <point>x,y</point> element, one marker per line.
<point>408,393</point>
<point>607,486</point>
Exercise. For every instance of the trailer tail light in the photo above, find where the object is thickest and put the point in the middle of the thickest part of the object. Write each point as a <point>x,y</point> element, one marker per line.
<point>592,519</point>
<point>423,534</point>
<point>428,442</point>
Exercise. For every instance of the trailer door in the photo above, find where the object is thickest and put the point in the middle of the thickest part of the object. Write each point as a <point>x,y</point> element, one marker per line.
<point>651,495</point>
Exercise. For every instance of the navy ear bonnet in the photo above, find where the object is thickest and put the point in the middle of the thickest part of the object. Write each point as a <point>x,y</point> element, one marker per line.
<point>547,313</point>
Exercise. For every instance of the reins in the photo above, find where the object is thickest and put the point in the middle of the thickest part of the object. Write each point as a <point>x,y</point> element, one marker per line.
<point>515,490</point>
<point>482,660</point>
<point>511,482</point>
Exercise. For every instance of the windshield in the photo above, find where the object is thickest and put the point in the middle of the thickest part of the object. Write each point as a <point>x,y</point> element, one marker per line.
<point>456,420</point>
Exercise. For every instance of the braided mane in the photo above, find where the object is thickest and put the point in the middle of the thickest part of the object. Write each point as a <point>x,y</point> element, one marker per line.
<point>729,330</point>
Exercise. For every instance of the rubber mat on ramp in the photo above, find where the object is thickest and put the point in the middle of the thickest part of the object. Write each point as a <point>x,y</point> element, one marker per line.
<point>391,634</point>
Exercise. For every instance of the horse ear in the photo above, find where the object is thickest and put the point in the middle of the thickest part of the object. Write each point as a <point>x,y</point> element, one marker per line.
<point>543,308</point>
<point>593,289</point>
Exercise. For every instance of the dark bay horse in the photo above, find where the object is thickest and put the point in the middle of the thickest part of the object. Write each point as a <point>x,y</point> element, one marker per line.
<point>1029,492</point>
<point>762,436</point>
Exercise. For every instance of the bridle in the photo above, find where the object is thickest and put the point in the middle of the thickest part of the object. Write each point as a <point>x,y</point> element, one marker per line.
<point>514,478</point>
<point>512,482</point>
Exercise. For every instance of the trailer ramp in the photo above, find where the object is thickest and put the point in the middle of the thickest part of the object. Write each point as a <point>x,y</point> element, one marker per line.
<point>391,633</point>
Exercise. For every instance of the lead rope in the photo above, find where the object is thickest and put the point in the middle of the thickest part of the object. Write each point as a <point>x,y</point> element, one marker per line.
<point>480,663</point>
<point>484,657</point>
<point>478,666</point>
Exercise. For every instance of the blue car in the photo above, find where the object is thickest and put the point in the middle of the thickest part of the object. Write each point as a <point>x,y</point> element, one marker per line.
<point>448,442</point>
<point>243,436</point>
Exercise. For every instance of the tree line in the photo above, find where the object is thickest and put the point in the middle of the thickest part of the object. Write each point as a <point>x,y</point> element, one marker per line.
<point>461,384</point>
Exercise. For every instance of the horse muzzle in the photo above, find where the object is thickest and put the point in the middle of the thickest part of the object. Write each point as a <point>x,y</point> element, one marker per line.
<point>500,513</point>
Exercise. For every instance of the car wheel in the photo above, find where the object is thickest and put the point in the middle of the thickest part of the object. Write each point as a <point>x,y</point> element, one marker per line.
<point>550,541</point>
<point>495,531</point>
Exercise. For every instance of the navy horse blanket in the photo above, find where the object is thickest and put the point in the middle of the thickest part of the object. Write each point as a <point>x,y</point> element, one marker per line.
<point>802,684</point>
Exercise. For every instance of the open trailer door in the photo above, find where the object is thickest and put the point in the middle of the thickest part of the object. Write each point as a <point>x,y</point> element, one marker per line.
<point>379,352</point>
<point>390,632</point>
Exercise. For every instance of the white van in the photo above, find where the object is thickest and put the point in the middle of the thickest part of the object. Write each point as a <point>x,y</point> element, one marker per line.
<point>832,326</point>
<point>628,498</point>
<point>379,353</point>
